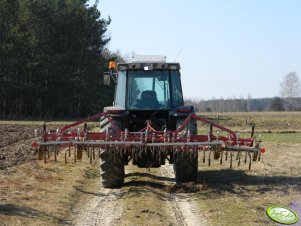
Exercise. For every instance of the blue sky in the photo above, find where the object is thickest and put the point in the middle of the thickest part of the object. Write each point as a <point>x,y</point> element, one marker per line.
<point>226,48</point>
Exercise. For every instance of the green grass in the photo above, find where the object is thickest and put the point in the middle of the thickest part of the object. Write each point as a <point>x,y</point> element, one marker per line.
<point>275,127</point>
<point>282,137</point>
<point>264,121</point>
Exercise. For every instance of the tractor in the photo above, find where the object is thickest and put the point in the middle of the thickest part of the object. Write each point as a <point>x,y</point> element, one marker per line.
<point>147,125</point>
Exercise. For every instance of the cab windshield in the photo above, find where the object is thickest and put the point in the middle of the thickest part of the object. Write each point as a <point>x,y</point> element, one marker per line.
<point>148,90</point>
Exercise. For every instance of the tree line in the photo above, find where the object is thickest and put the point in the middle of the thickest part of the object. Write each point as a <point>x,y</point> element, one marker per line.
<point>290,89</point>
<point>52,56</point>
<point>245,105</point>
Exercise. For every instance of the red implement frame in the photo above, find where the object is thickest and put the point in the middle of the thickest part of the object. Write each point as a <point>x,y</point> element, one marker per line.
<point>69,136</point>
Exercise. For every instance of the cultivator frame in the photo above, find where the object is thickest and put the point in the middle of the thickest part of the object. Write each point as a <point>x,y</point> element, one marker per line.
<point>129,144</point>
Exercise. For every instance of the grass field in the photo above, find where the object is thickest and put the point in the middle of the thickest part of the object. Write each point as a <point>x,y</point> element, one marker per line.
<point>281,127</point>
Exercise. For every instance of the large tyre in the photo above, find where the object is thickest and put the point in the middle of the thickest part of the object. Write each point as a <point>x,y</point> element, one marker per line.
<point>111,160</point>
<point>192,127</point>
<point>186,166</point>
<point>186,162</point>
<point>106,125</point>
<point>111,168</point>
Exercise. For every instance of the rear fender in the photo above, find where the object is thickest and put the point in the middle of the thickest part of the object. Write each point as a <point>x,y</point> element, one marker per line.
<point>178,113</point>
<point>118,113</point>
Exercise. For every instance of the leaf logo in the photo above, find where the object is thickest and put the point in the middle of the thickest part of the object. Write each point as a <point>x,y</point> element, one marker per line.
<point>282,215</point>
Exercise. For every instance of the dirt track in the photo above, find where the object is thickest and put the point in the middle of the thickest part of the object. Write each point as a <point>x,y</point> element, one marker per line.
<point>137,204</point>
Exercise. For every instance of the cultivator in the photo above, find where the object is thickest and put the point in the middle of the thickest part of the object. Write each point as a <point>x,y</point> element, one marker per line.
<point>220,143</point>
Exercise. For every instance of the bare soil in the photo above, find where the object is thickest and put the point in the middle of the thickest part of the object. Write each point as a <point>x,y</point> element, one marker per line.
<point>15,143</point>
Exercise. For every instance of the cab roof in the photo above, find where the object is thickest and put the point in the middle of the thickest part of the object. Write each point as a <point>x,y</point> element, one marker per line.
<point>148,66</point>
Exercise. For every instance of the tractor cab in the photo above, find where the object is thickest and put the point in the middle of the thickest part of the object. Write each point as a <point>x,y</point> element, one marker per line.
<point>148,88</point>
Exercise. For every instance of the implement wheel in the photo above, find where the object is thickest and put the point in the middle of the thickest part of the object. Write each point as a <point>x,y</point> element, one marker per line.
<point>186,166</point>
<point>111,168</point>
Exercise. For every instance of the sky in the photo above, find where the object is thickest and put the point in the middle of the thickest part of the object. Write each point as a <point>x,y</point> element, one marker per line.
<point>226,48</point>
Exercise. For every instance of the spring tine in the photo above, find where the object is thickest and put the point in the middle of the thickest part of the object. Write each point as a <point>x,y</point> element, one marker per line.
<point>45,155</point>
<point>226,158</point>
<point>55,154</point>
<point>159,156</point>
<point>48,153</point>
<point>231,156</point>
<point>88,152</point>
<point>75,149</point>
<point>246,157</point>
<point>204,156</point>
<point>209,159</point>
<point>69,150</point>
<point>114,155</point>
<point>250,163</point>
<point>40,154</point>
<point>90,159</point>
<point>65,156</point>
<point>238,158</point>
<point>195,153</point>
<point>221,160</point>
<point>93,150</point>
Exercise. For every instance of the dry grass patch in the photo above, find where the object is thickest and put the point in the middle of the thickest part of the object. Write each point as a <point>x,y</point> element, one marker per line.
<point>240,197</point>
<point>41,194</point>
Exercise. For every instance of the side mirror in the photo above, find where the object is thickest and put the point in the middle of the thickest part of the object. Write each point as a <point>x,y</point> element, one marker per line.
<point>106,79</point>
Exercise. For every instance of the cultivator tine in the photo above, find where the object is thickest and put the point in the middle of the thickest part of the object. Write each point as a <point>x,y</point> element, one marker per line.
<point>204,156</point>
<point>90,156</point>
<point>226,157</point>
<point>48,153</point>
<point>93,150</point>
<point>195,153</point>
<point>65,156</point>
<point>231,159</point>
<point>69,150</point>
<point>221,158</point>
<point>40,153</point>
<point>55,154</point>
<point>75,150</point>
<point>250,160</point>
<point>209,159</point>
<point>45,156</point>
<point>238,156</point>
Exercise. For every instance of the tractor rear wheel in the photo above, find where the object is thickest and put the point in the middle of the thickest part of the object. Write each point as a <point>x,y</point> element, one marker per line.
<point>111,159</point>
<point>186,166</point>
<point>191,127</point>
<point>111,168</point>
